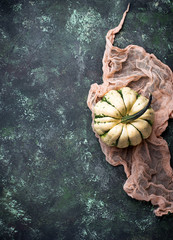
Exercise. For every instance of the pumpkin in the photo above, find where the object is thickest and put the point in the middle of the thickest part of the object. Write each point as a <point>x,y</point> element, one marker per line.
<point>123,118</point>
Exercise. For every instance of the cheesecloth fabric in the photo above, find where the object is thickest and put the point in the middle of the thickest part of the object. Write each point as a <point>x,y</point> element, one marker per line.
<point>147,166</point>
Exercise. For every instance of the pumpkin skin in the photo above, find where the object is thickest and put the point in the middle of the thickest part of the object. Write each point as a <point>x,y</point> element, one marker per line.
<point>114,119</point>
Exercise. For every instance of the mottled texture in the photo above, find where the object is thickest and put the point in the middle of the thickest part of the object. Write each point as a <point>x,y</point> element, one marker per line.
<point>55,183</point>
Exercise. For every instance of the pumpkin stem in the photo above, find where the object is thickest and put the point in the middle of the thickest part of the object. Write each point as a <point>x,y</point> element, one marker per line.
<point>129,118</point>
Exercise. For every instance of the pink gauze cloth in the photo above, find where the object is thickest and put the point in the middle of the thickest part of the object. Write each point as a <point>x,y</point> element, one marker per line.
<point>147,166</point>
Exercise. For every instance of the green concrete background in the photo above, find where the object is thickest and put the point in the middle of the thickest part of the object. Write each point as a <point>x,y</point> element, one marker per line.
<point>55,183</point>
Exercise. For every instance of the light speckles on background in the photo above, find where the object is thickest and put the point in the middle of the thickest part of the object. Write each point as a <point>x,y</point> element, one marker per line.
<point>84,23</point>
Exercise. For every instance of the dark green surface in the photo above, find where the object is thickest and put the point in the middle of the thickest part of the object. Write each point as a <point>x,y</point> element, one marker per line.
<point>55,183</point>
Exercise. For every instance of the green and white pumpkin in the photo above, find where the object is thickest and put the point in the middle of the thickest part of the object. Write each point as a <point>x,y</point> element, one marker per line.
<point>123,117</point>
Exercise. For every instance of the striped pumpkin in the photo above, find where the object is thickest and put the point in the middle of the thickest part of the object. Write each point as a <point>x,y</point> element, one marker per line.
<point>123,118</point>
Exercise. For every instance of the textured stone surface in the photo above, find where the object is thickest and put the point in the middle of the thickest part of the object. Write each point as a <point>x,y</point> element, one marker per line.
<point>55,183</point>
